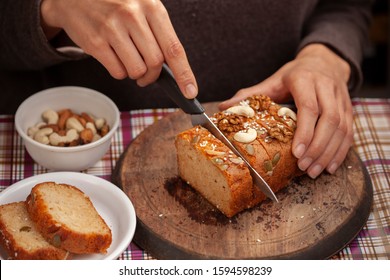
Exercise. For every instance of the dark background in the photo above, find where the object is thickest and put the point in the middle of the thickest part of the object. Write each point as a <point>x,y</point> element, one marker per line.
<point>376,62</point>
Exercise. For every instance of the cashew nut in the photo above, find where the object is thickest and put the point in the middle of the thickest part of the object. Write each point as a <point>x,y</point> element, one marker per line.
<point>242,111</point>
<point>245,136</point>
<point>284,111</point>
<point>32,130</point>
<point>42,135</point>
<point>96,137</point>
<point>74,123</point>
<point>71,135</point>
<point>91,126</point>
<point>99,123</point>
<point>50,116</point>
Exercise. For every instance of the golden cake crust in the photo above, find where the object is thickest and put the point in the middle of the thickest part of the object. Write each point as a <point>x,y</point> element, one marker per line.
<point>21,239</point>
<point>66,217</point>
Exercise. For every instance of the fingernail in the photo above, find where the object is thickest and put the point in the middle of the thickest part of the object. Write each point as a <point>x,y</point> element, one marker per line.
<point>191,91</point>
<point>305,163</point>
<point>332,168</point>
<point>299,150</point>
<point>315,171</point>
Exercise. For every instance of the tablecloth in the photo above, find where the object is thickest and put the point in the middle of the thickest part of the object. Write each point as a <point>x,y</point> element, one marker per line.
<point>371,141</point>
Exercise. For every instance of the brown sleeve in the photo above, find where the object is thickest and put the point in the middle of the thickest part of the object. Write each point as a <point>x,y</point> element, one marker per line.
<point>342,25</point>
<point>23,45</point>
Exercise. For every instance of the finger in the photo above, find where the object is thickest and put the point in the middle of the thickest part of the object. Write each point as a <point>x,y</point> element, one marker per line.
<point>327,124</point>
<point>328,154</point>
<point>340,155</point>
<point>174,54</point>
<point>340,141</point>
<point>337,149</point>
<point>127,52</point>
<point>347,141</point>
<point>271,87</point>
<point>148,49</point>
<point>307,115</point>
<point>239,96</point>
<point>108,58</point>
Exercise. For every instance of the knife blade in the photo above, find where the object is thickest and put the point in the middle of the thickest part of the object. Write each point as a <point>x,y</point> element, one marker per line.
<point>198,117</point>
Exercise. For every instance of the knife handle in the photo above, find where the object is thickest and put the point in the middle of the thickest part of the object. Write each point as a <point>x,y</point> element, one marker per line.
<point>170,87</point>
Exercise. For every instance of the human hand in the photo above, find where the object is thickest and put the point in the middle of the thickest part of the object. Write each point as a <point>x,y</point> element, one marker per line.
<point>131,38</point>
<point>317,81</point>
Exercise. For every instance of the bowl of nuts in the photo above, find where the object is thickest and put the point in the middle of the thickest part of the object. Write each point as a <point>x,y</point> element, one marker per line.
<point>67,128</point>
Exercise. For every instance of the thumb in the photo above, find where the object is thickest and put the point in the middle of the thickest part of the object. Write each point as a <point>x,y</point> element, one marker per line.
<point>239,96</point>
<point>271,87</point>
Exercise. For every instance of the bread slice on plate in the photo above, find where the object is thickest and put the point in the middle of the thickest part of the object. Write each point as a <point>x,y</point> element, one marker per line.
<point>21,239</point>
<point>66,217</point>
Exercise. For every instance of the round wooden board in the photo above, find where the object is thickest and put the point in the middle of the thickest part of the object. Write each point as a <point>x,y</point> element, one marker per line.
<point>314,219</point>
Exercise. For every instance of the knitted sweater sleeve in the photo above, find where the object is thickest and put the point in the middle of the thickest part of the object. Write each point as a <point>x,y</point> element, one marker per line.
<point>23,45</point>
<point>342,25</point>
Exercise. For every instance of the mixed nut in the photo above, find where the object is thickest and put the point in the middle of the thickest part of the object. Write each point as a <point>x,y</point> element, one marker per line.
<point>255,117</point>
<point>258,117</point>
<point>66,128</point>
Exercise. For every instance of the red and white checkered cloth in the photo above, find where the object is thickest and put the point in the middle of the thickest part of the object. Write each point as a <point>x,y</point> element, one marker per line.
<point>371,141</point>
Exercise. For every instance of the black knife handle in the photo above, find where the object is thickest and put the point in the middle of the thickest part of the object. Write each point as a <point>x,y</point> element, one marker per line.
<point>167,82</point>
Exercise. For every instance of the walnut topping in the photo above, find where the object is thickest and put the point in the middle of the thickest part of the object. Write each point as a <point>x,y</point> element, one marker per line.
<point>280,132</point>
<point>266,121</point>
<point>260,102</point>
<point>229,122</point>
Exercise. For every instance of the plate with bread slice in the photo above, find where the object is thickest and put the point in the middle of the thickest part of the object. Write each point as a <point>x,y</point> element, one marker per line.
<point>65,215</point>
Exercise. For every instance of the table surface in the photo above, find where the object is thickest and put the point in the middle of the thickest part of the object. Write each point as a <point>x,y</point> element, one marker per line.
<point>371,142</point>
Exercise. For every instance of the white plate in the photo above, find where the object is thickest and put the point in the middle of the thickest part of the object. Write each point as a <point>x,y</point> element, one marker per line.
<point>111,203</point>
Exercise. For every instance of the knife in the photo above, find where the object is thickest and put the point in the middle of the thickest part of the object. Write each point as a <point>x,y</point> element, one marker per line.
<point>198,117</point>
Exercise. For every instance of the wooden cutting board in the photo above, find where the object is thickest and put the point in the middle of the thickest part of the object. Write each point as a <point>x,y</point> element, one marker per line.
<point>314,219</point>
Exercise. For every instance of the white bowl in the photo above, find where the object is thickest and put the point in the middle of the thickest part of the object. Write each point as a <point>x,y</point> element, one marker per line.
<point>79,100</point>
<point>119,216</point>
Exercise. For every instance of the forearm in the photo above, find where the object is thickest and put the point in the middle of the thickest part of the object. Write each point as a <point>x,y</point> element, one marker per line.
<point>23,43</point>
<point>343,27</point>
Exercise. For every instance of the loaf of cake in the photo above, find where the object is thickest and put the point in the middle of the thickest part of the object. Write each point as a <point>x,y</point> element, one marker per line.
<point>262,131</point>
<point>66,217</point>
<point>20,237</point>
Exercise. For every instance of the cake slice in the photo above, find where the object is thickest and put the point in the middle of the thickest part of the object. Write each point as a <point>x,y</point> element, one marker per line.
<point>209,166</point>
<point>21,239</point>
<point>66,217</point>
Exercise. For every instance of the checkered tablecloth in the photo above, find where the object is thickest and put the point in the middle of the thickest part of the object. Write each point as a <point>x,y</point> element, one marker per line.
<point>371,141</point>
